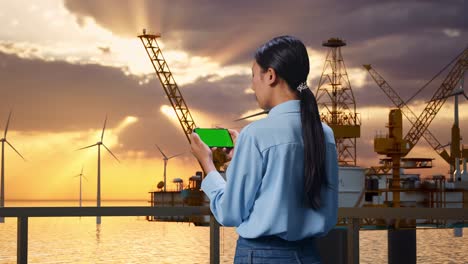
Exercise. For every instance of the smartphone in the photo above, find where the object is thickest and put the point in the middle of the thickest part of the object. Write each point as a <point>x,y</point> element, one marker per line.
<point>215,137</point>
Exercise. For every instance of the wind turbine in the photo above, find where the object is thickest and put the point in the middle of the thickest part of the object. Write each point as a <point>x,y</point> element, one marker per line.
<point>166,159</point>
<point>99,144</point>
<point>2,181</point>
<point>81,175</point>
<point>264,112</point>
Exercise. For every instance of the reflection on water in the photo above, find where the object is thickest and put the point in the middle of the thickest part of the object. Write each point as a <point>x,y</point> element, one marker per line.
<point>134,240</point>
<point>98,233</point>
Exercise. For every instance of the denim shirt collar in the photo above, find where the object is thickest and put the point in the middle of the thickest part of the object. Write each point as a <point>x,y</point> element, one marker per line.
<point>291,106</point>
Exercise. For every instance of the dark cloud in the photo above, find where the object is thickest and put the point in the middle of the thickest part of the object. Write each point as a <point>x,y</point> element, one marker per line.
<point>214,28</point>
<point>58,96</point>
<point>226,96</point>
<point>407,41</point>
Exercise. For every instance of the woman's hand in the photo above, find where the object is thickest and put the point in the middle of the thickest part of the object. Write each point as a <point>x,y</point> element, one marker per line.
<point>202,152</point>
<point>230,151</point>
<point>234,133</point>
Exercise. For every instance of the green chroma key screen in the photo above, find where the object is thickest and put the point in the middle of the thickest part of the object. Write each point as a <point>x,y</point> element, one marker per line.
<point>215,137</point>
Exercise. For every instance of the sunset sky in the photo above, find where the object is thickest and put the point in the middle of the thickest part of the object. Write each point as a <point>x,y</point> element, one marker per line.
<point>65,65</point>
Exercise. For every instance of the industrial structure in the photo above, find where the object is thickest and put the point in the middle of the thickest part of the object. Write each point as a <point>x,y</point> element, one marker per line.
<point>406,111</point>
<point>168,82</point>
<point>396,147</point>
<point>337,104</point>
<point>171,89</point>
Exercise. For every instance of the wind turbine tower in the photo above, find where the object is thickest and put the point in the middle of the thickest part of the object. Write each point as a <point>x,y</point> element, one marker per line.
<point>81,175</point>
<point>2,181</point>
<point>166,159</point>
<point>99,144</point>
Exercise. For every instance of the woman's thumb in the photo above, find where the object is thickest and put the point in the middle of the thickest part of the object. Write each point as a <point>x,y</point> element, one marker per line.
<point>195,137</point>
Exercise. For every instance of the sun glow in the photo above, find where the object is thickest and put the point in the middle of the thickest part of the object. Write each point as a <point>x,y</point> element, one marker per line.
<point>125,123</point>
<point>168,111</point>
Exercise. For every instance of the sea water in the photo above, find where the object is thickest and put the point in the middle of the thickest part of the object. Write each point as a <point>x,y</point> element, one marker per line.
<point>135,240</point>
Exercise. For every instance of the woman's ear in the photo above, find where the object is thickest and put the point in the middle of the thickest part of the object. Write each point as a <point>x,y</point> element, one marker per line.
<point>271,77</point>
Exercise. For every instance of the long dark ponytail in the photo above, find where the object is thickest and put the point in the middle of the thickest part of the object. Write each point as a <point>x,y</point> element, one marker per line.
<point>288,57</point>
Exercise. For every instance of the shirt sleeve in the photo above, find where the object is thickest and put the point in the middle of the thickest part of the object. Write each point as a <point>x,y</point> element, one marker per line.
<point>231,201</point>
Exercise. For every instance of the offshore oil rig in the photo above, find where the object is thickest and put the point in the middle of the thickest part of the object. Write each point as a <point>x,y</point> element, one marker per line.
<point>385,185</point>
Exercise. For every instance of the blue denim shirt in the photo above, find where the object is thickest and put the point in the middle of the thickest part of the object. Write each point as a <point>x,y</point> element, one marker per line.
<point>264,191</point>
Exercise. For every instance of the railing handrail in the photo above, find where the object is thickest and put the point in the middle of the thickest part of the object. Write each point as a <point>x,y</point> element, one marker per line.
<point>343,212</point>
<point>404,212</point>
<point>104,211</point>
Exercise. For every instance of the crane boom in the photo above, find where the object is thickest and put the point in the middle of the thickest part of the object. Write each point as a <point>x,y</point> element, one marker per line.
<point>438,99</point>
<point>168,83</point>
<point>407,112</point>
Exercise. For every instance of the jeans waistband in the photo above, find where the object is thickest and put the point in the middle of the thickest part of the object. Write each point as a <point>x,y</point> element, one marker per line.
<point>275,241</point>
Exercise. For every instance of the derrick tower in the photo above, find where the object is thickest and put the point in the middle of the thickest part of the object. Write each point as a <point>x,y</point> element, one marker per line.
<point>336,103</point>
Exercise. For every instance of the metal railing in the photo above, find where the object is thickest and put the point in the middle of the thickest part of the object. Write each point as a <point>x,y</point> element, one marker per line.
<point>352,216</point>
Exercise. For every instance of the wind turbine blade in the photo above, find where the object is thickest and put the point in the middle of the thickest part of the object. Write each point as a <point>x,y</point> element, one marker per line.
<point>104,128</point>
<point>111,153</point>
<point>257,114</point>
<point>161,151</point>
<point>466,97</point>
<point>7,124</point>
<point>88,146</point>
<point>15,150</point>
<point>176,155</point>
<point>82,170</point>
<point>85,178</point>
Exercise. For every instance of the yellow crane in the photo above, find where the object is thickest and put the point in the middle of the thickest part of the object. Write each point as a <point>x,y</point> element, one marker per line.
<point>420,124</point>
<point>406,111</point>
<point>172,90</point>
<point>438,99</point>
<point>167,82</point>
<point>395,146</point>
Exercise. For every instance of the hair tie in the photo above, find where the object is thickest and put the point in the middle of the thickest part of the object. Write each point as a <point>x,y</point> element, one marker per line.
<point>302,86</point>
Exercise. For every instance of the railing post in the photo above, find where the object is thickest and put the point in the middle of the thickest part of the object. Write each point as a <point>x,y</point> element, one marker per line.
<point>353,240</point>
<point>214,240</point>
<point>22,240</point>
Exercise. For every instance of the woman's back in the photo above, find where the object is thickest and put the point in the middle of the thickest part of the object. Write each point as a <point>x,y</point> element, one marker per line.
<point>271,201</point>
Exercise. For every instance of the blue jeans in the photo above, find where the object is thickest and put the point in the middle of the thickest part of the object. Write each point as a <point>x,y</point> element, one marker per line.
<point>272,250</point>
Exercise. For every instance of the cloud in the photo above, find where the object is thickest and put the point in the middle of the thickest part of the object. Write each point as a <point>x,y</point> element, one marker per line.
<point>56,96</point>
<point>407,41</point>
<point>453,33</point>
<point>230,31</point>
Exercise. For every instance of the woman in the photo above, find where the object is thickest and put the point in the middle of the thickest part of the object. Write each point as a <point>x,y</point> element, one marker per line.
<point>281,190</point>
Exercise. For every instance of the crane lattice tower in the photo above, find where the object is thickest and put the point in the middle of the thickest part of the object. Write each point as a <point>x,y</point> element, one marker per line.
<point>336,103</point>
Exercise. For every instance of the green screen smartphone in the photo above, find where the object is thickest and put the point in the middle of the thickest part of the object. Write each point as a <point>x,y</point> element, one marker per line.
<point>215,137</point>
